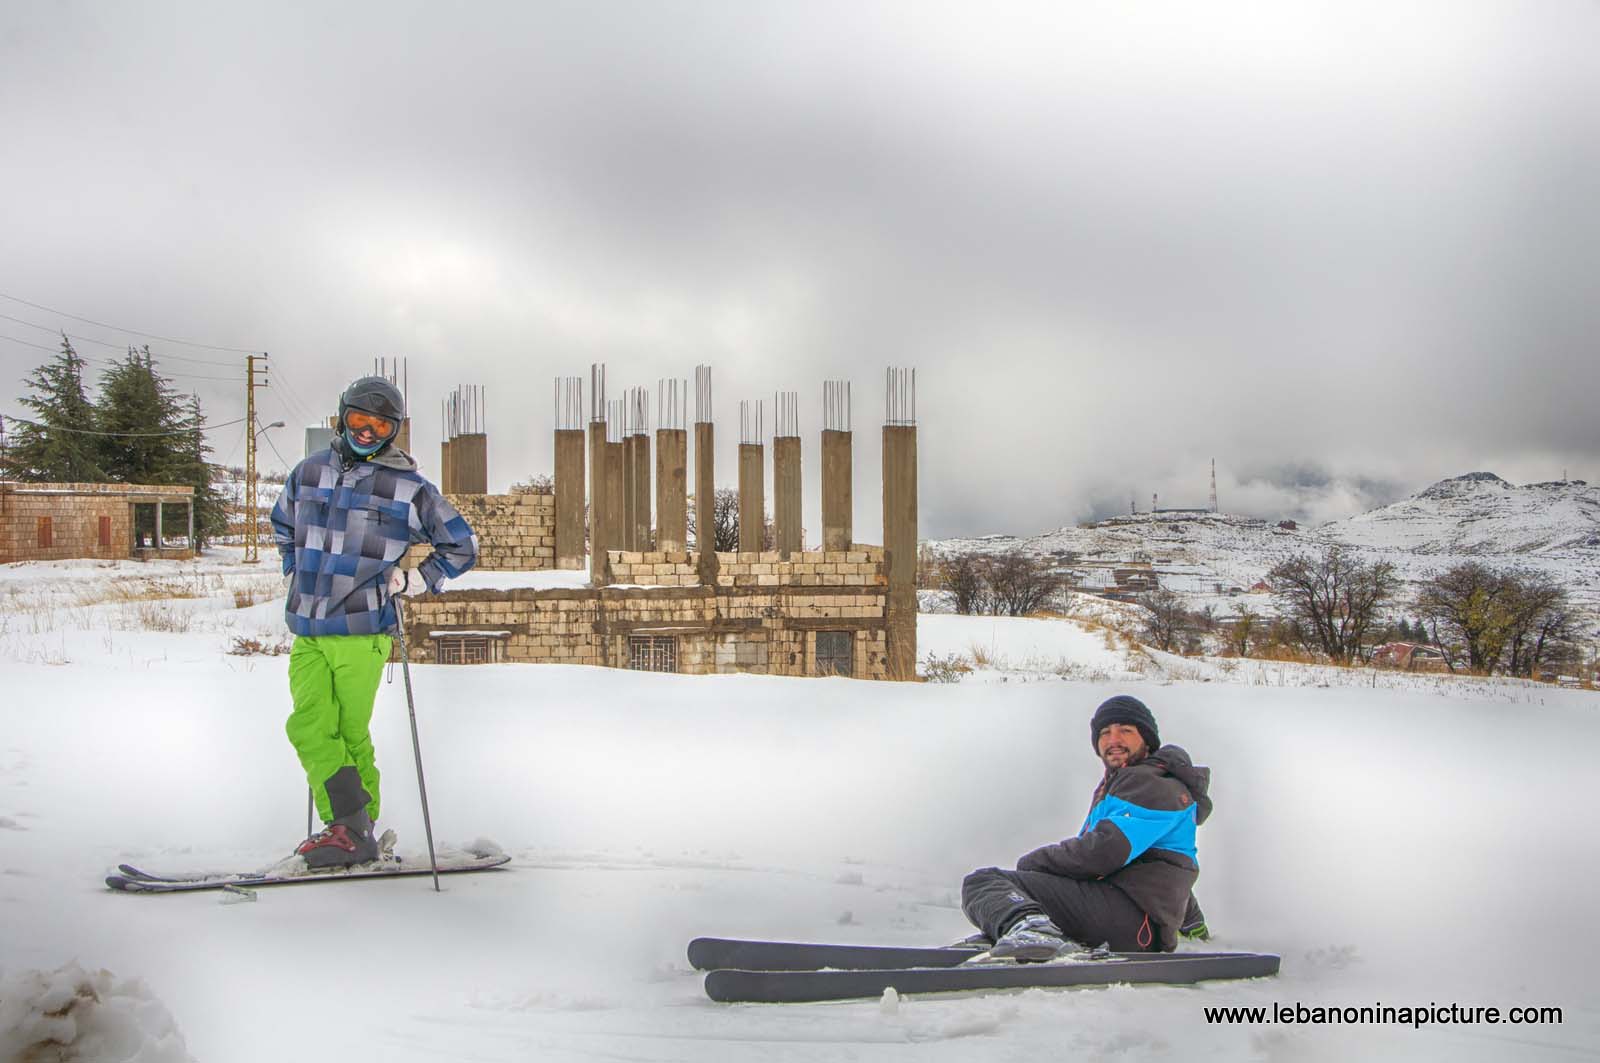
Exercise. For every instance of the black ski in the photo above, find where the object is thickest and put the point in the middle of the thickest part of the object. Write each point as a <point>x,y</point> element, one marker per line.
<point>707,954</point>
<point>793,987</point>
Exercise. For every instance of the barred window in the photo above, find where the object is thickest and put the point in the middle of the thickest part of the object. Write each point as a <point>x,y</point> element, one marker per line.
<point>834,653</point>
<point>653,653</point>
<point>466,648</point>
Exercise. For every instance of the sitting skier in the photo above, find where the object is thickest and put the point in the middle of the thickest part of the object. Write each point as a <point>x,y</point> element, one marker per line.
<point>1125,879</point>
<point>343,522</point>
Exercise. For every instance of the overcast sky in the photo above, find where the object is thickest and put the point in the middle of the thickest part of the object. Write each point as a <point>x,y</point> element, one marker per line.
<point>1344,249</point>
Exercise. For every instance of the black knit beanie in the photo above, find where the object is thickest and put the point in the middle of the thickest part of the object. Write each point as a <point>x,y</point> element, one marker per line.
<point>1124,709</point>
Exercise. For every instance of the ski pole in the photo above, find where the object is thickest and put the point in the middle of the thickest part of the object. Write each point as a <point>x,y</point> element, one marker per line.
<point>416,745</point>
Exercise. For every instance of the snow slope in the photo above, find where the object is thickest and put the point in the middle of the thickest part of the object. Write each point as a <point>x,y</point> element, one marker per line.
<point>1419,844</point>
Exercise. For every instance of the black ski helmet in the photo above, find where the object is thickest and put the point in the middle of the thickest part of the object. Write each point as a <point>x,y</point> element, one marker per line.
<point>374,395</point>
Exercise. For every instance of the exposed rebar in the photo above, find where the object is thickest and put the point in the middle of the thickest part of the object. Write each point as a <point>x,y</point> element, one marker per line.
<point>597,391</point>
<point>836,405</point>
<point>900,397</point>
<point>569,403</point>
<point>702,394</point>
<point>786,407</point>
<point>751,421</point>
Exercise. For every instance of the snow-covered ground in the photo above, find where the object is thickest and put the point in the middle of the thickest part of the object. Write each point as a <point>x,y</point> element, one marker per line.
<point>1423,843</point>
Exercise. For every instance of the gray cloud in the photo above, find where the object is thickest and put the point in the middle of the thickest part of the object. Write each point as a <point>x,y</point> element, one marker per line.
<point>1115,242</point>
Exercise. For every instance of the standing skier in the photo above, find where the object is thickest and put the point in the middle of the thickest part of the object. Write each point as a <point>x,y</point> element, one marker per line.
<point>343,522</point>
<point>1126,878</point>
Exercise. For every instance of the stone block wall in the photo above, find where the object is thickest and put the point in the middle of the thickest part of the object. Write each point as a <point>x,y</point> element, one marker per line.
<point>654,568</point>
<point>721,629</point>
<point>516,533</point>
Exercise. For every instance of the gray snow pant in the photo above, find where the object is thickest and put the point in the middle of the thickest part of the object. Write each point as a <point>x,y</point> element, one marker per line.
<point>1089,912</point>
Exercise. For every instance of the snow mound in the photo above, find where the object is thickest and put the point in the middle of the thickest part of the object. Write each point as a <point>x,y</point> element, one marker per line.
<point>70,1015</point>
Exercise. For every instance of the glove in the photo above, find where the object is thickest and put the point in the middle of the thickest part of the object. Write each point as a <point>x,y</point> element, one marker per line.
<point>405,582</point>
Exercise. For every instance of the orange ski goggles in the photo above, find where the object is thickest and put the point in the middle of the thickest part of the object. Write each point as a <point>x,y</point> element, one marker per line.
<point>356,420</point>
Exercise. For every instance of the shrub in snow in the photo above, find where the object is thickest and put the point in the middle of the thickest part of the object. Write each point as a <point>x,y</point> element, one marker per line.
<point>70,1015</point>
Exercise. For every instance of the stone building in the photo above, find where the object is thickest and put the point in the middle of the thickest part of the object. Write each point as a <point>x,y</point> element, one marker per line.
<point>59,521</point>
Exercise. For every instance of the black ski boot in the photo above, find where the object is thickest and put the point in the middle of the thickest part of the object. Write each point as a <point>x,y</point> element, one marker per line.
<point>1031,939</point>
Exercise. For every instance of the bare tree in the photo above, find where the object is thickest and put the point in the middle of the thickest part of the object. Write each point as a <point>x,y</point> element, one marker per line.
<point>1019,584</point>
<point>1244,632</point>
<point>1541,622</point>
<point>1167,624</point>
<point>725,520</point>
<point>1500,620</point>
<point>963,576</point>
<point>1335,599</point>
<point>1469,609</point>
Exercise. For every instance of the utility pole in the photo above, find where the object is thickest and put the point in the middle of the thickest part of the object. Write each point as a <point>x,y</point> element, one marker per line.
<point>252,545</point>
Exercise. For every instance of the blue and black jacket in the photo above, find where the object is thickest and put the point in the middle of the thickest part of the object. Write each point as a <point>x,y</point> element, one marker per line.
<point>1140,837</point>
<point>342,524</point>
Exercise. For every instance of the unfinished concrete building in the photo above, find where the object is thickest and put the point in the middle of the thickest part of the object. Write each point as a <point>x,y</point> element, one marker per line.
<point>841,609</point>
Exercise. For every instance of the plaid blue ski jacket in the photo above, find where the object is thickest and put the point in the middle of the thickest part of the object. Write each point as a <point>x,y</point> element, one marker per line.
<point>341,529</point>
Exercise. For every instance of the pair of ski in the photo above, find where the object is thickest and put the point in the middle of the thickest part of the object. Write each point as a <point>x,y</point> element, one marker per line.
<point>481,856</point>
<point>791,972</point>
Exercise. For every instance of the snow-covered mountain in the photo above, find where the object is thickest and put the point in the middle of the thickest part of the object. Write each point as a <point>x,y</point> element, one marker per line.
<point>1479,513</point>
<point>1548,527</point>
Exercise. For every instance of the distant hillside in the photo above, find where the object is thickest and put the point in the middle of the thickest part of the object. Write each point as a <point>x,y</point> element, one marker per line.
<point>1549,527</point>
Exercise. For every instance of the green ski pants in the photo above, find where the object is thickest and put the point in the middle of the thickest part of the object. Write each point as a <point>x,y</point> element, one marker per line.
<point>334,681</point>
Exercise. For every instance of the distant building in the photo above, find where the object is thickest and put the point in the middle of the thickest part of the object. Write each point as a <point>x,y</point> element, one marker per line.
<point>1288,525</point>
<point>60,521</point>
<point>1409,657</point>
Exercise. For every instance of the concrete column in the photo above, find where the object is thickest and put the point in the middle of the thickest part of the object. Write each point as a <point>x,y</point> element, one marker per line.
<point>672,456</point>
<point>786,518</point>
<point>752,496</point>
<point>642,495</point>
<point>402,437</point>
<point>158,524</point>
<point>447,471</point>
<point>599,518</point>
<point>900,547</point>
<point>616,490</point>
<point>471,452</point>
<point>705,486</point>
<point>630,518</point>
<point>569,498</point>
<point>837,497</point>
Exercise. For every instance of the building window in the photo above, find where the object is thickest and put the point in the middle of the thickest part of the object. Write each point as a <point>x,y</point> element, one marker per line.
<point>834,653</point>
<point>466,648</point>
<point>47,536</point>
<point>105,531</point>
<point>653,653</point>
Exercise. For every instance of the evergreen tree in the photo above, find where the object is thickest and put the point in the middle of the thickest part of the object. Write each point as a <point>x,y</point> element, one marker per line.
<point>210,513</point>
<point>160,441</point>
<point>55,447</point>
<point>138,405</point>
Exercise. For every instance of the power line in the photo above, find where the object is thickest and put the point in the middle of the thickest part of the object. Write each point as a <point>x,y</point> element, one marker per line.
<point>26,343</point>
<point>112,363</point>
<point>108,343</point>
<point>130,331</point>
<point>122,435</point>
